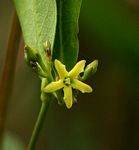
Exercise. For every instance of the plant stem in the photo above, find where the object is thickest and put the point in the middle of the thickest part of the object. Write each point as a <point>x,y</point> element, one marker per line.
<point>8,70</point>
<point>38,125</point>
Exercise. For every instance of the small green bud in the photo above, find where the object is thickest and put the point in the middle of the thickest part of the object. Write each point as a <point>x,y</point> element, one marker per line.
<point>90,70</point>
<point>32,58</point>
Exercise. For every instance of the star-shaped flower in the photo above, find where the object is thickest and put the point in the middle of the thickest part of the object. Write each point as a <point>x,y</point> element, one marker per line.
<point>67,81</point>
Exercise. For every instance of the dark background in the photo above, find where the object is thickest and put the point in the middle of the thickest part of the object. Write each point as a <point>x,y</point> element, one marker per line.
<point>107,119</point>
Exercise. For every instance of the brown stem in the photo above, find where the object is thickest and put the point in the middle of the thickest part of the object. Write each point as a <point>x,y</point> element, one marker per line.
<point>8,71</point>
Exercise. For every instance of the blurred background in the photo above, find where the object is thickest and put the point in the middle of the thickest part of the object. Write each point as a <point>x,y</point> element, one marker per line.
<point>107,119</point>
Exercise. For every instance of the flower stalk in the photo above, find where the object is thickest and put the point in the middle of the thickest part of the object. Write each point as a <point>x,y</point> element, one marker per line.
<point>38,124</point>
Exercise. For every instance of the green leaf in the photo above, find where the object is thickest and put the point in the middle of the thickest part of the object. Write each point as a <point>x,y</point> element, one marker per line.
<point>38,22</point>
<point>66,42</point>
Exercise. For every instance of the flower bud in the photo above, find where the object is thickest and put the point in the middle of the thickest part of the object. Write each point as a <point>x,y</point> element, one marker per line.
<point>90,70</point>
<point>30,55</point>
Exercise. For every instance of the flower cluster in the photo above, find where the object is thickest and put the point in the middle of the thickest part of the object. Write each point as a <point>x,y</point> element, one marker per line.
<point>52,82</point>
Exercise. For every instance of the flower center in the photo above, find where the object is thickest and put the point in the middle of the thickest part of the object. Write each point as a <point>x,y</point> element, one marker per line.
<point>67,81</point>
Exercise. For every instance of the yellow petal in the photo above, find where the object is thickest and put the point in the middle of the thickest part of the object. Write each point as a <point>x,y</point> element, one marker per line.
<point>68,96</point>
<point>78,68</point>
<point>61,69</point>
<point>84,88</point>
<point>53,86</point>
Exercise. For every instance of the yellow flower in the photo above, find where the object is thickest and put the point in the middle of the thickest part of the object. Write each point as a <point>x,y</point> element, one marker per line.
<point>67,81</point>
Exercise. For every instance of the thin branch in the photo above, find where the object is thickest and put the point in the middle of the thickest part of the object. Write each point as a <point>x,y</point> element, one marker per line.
<point>6,81</point>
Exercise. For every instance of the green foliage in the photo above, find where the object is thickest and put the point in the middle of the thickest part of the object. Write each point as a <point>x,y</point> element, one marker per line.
<point>40,19</point>
<point>38,22</point>
<point>66,43</point>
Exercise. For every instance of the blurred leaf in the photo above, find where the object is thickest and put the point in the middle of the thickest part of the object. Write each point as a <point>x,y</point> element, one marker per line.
<point>66,45</point>
<point>12,142</point>
<point>38,22</point>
